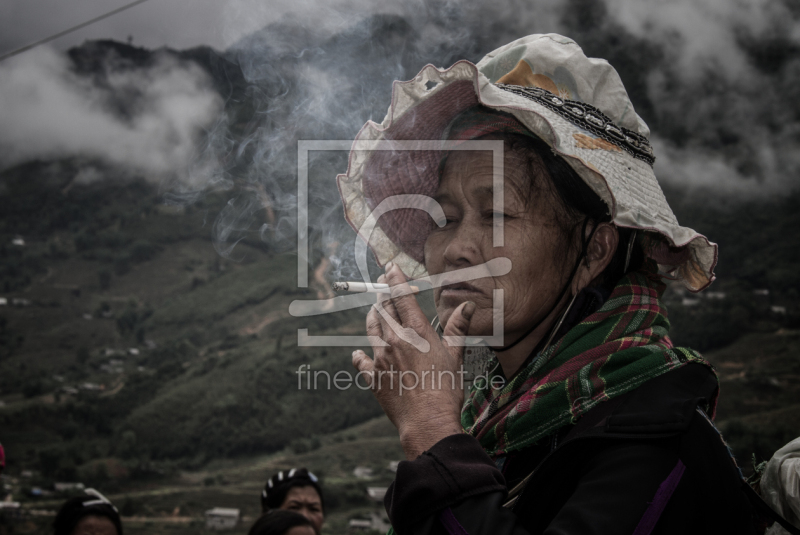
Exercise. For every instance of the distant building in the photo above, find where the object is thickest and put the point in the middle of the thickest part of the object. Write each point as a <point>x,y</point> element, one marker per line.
<point>19,241</point>
<point>133,351</point>
<point>715,295</point>
<point>393,465</point>
<point>67,487</point>
<point>377,522</point>
<point>763,292</point>
<point>377,493</point>
<point>112,367</point>
<point>20,302</point>
<point>362,472</point>
<point>778,309</point>
<point>690,301</point>
<point>221,518</point>
<point>3,302</point>
<point>359,524</point>
<point>380,520</point>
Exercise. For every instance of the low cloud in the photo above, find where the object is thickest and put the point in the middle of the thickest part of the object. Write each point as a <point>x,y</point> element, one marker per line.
<point>148,119</point>
<point>697,170</point>
<point>702,34</point>
<point>723,92</point>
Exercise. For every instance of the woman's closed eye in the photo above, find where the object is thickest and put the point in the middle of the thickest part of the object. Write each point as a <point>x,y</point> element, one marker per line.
<point>490,215</point>
<point>446,220</point>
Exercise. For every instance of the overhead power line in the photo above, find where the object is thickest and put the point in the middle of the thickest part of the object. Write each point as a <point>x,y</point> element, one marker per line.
<point>70,30</point>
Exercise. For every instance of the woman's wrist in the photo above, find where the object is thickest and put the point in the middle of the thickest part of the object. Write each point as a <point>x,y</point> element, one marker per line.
<point>417,439</point>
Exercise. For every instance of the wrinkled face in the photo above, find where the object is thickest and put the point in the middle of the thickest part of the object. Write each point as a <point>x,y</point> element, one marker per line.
<point>532,241</point>
<point>306,501</point>
<point>95,525</point>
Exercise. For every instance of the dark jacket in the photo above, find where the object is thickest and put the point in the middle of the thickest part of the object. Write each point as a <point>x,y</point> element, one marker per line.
<point>644,462</point>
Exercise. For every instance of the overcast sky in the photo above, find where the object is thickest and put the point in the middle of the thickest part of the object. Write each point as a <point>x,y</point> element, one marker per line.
<point>174,23</point>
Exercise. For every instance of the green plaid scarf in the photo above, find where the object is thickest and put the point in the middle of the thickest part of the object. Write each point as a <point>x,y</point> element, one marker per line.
<point>609,353</point>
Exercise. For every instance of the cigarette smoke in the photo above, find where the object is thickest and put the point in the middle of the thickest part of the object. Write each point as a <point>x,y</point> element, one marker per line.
<point>322,76</point>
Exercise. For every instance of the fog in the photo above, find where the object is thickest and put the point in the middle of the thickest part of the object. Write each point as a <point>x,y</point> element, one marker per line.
<point>47,111</point>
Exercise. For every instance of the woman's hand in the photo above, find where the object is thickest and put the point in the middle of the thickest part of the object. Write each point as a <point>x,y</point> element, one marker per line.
<point>417,378</point>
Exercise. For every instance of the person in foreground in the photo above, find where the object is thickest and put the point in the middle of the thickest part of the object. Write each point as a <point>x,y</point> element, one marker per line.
<point>587,420</point>
<point>92,514</point>
<point>281,522</point>
<point>295,490</point>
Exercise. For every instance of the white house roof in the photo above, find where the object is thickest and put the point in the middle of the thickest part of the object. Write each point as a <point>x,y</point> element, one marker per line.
<point>376,493</point>
<point>223,511</point>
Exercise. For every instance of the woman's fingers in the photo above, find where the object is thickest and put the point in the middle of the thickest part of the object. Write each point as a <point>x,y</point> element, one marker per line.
<point>408,310</point>
<point>365,367</point>
<point>385,300</point>
<point>458,325</point>
<point>374,323</point>
<point>362,362</point>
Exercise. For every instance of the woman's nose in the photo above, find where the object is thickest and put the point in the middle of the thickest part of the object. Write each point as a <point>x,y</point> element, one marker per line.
<point>463,247</point>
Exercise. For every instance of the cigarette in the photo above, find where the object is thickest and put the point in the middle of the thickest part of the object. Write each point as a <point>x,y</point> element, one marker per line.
<point>364,287</point>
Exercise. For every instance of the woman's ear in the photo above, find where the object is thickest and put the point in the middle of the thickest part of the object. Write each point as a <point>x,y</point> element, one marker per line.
<point>599,254</point>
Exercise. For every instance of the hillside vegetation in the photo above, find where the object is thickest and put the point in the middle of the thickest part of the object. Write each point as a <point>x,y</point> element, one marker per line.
<point>126,335</point>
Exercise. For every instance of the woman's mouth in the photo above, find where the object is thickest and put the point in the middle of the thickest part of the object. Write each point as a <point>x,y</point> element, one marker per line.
<point>459,289</point>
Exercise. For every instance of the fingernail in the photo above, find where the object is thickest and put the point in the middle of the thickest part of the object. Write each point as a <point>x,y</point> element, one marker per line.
<point>468,310</point>
<point>389,265</point>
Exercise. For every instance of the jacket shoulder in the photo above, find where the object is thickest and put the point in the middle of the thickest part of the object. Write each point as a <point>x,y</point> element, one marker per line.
<point>667,403</point>
<point>662,406</point>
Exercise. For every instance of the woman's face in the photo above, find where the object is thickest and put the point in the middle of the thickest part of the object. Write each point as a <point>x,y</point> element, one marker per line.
<point>95,525</point>
<point>532,241</point>
<point>301,530</point>
<point>306,501</point>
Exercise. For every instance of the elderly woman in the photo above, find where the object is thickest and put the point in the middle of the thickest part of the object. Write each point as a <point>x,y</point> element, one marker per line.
<point>587,419</point>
